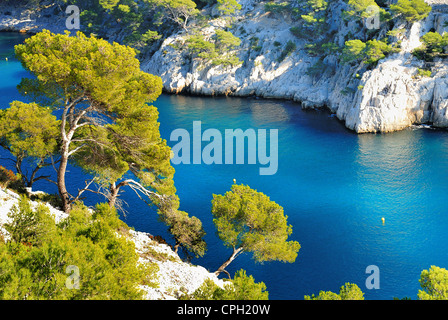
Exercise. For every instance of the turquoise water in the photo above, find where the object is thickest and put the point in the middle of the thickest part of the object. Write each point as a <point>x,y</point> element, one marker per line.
<point>334,185</point>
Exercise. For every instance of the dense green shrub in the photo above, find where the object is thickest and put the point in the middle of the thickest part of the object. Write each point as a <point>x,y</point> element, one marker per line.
<point>139,40</point>
<point>349,291</point>
<point>353,50</point>
<point>28,226</point>
<point>216,52</point>
<point>434,45</point>
<point>225,41</point>
<point>411,10</point>
<point>39,259</point>
<point>228,7</point>
<point>363,9</point>
<point>297,31</point>
<point>277,7</point>
<point>421,73</point>
<point>369,52</point>
<point>317,49</point>
<point>434,284</point>
<point>241,287</point>
<point>311,18</point>
<point>287,51</point>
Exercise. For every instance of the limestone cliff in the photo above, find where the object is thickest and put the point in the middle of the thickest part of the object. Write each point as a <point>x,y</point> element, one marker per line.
<point>388,98</point>
<point>174,277</point>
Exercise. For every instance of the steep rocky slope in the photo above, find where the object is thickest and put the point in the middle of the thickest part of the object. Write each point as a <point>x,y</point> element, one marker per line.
<point>175,277</point>
<point>387,98</point>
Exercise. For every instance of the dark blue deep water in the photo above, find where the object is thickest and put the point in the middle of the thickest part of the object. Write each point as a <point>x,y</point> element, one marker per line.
<point>334,185</point>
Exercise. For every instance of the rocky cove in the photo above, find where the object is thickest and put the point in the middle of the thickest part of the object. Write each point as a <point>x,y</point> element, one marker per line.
<point>387,98</point>
<point>335,202</point>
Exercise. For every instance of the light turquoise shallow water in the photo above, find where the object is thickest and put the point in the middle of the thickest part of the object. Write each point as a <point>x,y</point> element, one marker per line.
<point>334,185</point>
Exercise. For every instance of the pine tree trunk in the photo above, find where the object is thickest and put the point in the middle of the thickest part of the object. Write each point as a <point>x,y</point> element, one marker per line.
<point>228,261</point>
<point>113,195</point>
<point>61,180</point>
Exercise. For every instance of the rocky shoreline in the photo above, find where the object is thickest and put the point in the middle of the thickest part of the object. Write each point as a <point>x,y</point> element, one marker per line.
<point>388,98</point>
<point>175,277</point>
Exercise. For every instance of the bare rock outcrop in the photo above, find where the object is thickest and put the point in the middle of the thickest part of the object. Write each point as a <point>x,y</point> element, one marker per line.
<point>388,98</point>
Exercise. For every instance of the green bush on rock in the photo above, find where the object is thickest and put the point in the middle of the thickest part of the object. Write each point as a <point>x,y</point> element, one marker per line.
<point>35,260</point>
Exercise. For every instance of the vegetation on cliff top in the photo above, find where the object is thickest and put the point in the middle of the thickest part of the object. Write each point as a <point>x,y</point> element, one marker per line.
<point>108,129</point>
<point>147,23</point>
<point>91,109</point>
<point>35,259</point>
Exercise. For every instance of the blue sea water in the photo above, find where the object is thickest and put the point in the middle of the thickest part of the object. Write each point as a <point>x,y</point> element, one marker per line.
<point>334,185</point>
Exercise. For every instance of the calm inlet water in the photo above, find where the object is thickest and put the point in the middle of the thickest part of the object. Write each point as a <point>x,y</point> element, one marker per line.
<point>334,185</point>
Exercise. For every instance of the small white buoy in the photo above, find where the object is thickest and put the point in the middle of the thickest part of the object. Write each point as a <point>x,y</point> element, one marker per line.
<point>6,58</point>
<point>234,180</point>
<point>383,220</point>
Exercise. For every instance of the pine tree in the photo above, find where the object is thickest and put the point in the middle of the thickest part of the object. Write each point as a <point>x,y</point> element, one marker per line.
<point>248,221</point>
<point>29,132</point>
<point>96,85</point>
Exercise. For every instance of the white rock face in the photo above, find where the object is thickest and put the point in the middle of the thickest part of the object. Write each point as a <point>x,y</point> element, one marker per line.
<point>387,98</point>
<point>14,17</point>
<point>9,198</point>
<point>175,276</point>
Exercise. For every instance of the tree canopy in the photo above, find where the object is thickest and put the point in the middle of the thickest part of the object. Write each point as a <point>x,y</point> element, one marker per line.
<point>434,284</point>
<point>411,10</point>
<point>241,287</point>
<point>369,52</point>
<point>178,11</point>
<point>248,221</point>
<point>349,291</point>
<point>35,260</point>
<point>29,132</point>
<point>96,86</point>
<point>107,126</point>
<point>433,45</point>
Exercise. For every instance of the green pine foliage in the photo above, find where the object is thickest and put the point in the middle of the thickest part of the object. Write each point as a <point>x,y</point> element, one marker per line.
<point>434,284</point>
<point>290,47</point>
<point>107,127</point>
<point>363,9</point>
<point>35,262</point>
<point>216,51</point>
<point>93,82</point>
<point>241,287</point>
<point>178,12</point>
<point>349,291</point>
<point>434,45</point>
<point>228,7</point>
<point>369,52</point>
<point>29,133</point>
<point>275,7</point>
<point>248,221</point>
<point>411,10</point>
